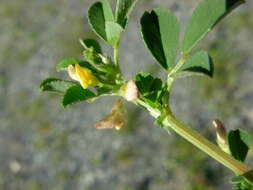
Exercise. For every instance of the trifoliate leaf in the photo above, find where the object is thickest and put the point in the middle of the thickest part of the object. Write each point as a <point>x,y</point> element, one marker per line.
<point>160,31</point>
<point>204,18</point>
<point>151,89</point>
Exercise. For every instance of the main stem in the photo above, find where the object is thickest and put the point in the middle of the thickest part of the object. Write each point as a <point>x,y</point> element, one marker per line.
<point>171,122</point>
<point>203,144</point>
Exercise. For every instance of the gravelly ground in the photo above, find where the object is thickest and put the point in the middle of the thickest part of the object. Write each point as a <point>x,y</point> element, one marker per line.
<point>43,146</point>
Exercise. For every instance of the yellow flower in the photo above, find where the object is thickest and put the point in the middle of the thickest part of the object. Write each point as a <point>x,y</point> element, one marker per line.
<point>82,75</point>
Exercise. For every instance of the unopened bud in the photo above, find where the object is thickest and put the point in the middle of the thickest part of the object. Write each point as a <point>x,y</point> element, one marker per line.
<point>131,91</point>
<point>220,131</point>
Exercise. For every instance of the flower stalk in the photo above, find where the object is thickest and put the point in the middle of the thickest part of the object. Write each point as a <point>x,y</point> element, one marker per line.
<point>116,55</point>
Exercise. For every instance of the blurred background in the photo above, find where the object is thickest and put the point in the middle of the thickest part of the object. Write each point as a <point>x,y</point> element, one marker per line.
<point>43,146</point>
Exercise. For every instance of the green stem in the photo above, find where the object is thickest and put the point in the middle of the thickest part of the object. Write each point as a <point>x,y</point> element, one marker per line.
<point>177,67</point>
<point>116,62</point>
<point>171,122</point>
<point>116,55</point>
<point>203,144</point>
<point>170,81</point>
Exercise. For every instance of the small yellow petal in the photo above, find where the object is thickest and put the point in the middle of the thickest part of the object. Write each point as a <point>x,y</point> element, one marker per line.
<point>85,77</point>
<point>84,85</point>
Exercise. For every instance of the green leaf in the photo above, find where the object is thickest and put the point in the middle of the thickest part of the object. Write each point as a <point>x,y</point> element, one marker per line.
<point>243,182</point>
<point>143,82</point>
<point>104,91</point>
<point>92,56</point>
<point>65,63</point>
<point>239,143</point>
<point>76,94</point>
<point>98,14</point>
<point>243,186</point>
<point>198,64</point>
<point>91,43</point>
<point>160,31</point>
<point>55,85</point>
<point>123,11</point>
<point>151,89</point>
<point>246,176</point>
<point>204,18</point>
<point>113,32</point>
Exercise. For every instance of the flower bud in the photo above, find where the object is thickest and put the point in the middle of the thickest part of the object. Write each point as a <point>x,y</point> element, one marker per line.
<point>131,91</point>
<point>221,136</point>
<point>220,131</point>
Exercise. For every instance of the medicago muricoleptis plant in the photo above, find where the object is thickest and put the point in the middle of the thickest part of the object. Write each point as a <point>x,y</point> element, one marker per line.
<point>99,75</point>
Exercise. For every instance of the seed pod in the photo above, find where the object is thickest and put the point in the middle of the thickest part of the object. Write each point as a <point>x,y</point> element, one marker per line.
<point>115,119</point>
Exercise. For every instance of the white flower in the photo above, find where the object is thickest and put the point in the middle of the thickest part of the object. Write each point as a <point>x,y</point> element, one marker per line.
<point>131,91</point>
